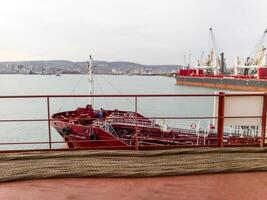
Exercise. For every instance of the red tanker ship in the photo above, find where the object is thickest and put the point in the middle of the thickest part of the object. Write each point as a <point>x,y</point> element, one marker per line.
<point>116,129</point>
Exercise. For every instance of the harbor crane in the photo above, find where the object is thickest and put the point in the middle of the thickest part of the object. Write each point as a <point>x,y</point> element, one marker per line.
<point>213,62</point>
<point>256,61</point>
<point>187,64</point>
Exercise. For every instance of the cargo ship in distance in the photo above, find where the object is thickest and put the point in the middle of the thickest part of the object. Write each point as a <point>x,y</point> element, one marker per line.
<point>247,75</point>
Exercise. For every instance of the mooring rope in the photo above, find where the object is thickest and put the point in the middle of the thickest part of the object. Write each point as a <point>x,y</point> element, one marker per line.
<point>21,166</point>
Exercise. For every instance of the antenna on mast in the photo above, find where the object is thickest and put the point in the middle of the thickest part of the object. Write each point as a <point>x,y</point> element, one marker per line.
<point>91,80</point>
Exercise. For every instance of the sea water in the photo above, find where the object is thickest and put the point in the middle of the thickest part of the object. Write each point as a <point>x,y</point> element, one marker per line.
<point>36,108</point>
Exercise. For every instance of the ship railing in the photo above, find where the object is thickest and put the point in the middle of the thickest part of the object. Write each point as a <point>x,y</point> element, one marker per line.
<point>108,127</point>
<point>205,137</point>
<point>130,120</point>
<point>242,131</point>
<point>105,126</point>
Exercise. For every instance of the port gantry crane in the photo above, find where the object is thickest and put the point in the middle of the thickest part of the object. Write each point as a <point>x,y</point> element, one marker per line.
<point>259,60</point>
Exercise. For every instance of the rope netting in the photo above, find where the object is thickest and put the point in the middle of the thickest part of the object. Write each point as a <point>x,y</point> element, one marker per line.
<point>36,165</point>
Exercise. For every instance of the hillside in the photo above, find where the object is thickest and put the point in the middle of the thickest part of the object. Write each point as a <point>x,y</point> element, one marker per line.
<point>101,67</point>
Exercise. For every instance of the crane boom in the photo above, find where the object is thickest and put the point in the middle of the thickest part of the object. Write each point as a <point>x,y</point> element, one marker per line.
<point>215,57</point>
<point>189,60</point>
<point>258,46</point>
<point>213,41</point>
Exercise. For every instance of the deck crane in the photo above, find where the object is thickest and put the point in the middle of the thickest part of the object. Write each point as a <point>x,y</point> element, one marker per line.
<point>260,51</point>
<point>189,61</point>
<point>218,63</point>
<point>259,60</point>
<point>201,58</point>
<point>187,64</point>
<point>214,56</point>
<point>212,63</point>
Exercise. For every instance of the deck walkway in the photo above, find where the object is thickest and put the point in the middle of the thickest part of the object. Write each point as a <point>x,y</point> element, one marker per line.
<point>239,186</point>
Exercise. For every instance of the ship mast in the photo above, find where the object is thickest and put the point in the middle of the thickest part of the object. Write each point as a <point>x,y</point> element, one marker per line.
<point>91,80</point>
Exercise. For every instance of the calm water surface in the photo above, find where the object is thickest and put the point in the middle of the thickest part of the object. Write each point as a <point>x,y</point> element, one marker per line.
<point>78,84</point>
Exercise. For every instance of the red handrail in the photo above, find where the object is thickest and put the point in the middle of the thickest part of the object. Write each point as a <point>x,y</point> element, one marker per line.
<point>220,118</point>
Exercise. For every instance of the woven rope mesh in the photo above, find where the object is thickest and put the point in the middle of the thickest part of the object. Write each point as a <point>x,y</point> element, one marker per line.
<point>35,165</point>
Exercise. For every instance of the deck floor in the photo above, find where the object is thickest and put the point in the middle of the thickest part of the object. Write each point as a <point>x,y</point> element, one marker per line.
<point>236,186</point>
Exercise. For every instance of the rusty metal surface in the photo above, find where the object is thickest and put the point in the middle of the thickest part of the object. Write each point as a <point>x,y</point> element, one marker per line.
<point>243,186</point>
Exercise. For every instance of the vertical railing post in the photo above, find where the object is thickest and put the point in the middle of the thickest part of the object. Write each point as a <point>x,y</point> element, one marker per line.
<point>220,128</point>
<point>263,120</point>
<point>48,120</point>
<point>136,130</point>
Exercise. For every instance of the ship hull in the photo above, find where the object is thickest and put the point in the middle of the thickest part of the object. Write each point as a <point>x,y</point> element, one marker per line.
<point>79,137</point>
<point>120,130</point>
<point>224,83</point>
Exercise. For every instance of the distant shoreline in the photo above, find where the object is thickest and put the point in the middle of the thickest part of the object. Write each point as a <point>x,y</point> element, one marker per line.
<point>167,75</point>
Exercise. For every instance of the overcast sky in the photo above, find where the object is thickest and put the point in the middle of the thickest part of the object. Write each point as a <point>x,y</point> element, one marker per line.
<point>143,31</point>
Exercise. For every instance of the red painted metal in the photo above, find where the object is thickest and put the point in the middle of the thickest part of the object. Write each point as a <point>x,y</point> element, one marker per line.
<point>106,95</point>
<point>258,94</point>
<point>233,186</point>
<point>262,73</point>
<point>263,123</point>
<point>136,127</point>
<point>49,123</point>
<point>221,119</point>
<point>199,73</point>
<point>160,117</point>
<point>126,95</point>
<point>190,72</point>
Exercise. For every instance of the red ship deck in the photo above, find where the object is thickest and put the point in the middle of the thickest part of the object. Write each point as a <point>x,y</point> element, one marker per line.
<point>218,186</point>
